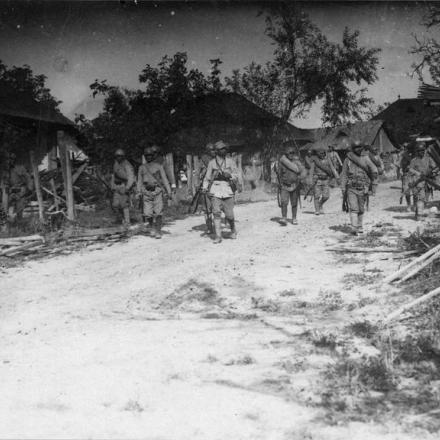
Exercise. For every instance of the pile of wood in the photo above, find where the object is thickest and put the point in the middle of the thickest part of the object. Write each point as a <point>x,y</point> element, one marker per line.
<point>63,242</point>
<point>409,271</point>
<point>413,268</point>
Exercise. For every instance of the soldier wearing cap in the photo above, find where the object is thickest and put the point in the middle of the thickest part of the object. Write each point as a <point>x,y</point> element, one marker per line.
<point>420,167</point>
<point>152,182</point>
<point>358,172</point>
<point>291,172</point>
<point>123,181</point>
<point>374,155</point>
<point>220,182</point>
<point>321,171</point>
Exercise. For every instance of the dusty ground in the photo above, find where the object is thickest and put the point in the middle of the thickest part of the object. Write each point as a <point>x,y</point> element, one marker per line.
<point>184,339</point>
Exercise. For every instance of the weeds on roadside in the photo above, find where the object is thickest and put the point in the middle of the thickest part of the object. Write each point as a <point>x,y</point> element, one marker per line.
<point>330,300</point>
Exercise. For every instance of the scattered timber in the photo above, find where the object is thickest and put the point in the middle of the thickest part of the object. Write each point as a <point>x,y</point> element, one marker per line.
<point>364,250</point>
<point>415,266</point>
<point>412,304</point>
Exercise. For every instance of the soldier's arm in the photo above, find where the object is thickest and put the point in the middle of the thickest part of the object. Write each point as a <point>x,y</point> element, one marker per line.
<point>412,169</point>
<point>332,167</point>
<point>164,179</point>
<point>208,176</point>
<point>235,175</point>
<point>292,166</point>
<point>373,169</point>
<point>131,178</point>
<point>139,180</point>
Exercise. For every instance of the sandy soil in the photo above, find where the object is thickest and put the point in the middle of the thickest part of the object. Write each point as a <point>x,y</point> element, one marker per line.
<point>183,339</point>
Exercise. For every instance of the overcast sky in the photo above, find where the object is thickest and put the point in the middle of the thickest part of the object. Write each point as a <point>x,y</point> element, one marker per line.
<point>73,42</point>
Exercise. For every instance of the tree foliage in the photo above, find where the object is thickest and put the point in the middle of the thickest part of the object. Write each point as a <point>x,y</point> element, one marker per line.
<point>307,68</point>
<point>428,48</point>
<point>26,86</point>
<point>132,119</point>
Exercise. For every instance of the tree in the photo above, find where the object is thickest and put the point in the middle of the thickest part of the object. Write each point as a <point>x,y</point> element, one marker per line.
<point>307,68</point>
<point>21,83</point>
<point>428,48</point>
<point>133,118</point>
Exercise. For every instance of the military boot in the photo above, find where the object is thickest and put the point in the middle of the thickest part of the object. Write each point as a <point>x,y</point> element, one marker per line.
<point>360,226</point>
<point>218,230</point>
<point>233,234</point>
<point>158,227</point>
<point>294,212</point>
<point>354,222</point>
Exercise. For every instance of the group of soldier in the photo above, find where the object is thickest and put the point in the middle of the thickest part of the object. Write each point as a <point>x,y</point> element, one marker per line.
<point>357,176</point>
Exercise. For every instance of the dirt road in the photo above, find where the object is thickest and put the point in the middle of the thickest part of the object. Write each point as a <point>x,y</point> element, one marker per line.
<point>183,339</point>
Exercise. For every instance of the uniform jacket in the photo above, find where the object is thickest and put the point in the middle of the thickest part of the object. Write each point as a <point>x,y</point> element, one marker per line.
<point>355,176</point>
<point>123,177</point>
<point>152,174</point>
<point>290,173</point>
<point>218,186</point>
<point>322,169</point>
<point>421,165</point>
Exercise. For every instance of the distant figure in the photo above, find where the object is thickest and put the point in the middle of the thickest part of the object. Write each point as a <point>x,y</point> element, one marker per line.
<point>220,182</point>
<point>334,157</point>
<point>20,184</point>
<point>151,184</point>
<point>290,172</point>
<point>321,171</point>
<point>122,183</point>
<point>358,172</point>
<point>420,168</point>
<point>405,160</point>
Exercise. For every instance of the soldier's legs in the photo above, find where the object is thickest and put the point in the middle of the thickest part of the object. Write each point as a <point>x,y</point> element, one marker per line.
<point>325,196</point>
<point>353,205</point>
<point>294,203</point>
<point>228,208</point>
<point>157,211</point>
<point>284,199</point>
<point>217,213</point>
<point>317,195</point>
<point>419,201</point>
<point>148,212</point>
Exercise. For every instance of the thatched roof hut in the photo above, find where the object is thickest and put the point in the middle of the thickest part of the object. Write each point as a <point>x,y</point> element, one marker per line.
<point>370,132</point>
<point>230,117</point>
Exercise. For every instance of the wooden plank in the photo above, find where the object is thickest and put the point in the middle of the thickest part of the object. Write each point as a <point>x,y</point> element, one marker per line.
<point>36,174</point>
<point>65,154</point>
<point>22,247</point>
<point>54,194</point>
<point>403,270</point>
<point>412,304</point>
<point>78,172</point>
<point>23,238</point>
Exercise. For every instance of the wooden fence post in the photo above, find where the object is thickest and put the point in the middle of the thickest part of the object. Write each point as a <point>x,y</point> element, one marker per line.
<point>34,167</point>
<point>67,175</point>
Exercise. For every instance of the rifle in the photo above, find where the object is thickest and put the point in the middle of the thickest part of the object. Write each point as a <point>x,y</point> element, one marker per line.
<point>195,204</point>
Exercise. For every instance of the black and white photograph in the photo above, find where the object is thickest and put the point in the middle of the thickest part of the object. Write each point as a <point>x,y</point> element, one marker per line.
<point>219,220</point>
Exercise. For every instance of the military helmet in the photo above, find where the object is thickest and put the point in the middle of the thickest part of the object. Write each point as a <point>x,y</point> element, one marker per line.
<point>356,144</point>
<point>221,145</point>
<point>119,152</point>
<point>210,146</point>
<point>149,151</point>
<point>289,147</point>
<point>156,149</point>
